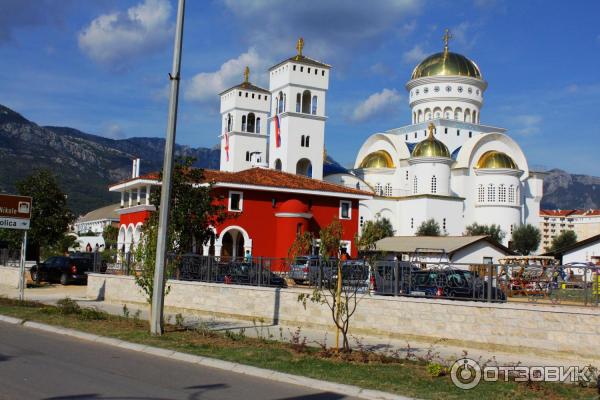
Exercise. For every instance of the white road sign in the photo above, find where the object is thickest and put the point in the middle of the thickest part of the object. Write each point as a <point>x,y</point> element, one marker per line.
<point>14,223</point>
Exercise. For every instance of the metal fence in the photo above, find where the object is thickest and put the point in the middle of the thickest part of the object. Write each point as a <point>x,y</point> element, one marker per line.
<point>9,258</point>
<point>551,284</point>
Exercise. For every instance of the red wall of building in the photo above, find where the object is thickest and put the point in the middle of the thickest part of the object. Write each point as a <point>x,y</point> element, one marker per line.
<point>272,236</point>
<point>134,218</point>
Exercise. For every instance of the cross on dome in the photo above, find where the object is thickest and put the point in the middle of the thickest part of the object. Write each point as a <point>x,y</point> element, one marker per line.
<point>431,128</point>
<point>447,36</point>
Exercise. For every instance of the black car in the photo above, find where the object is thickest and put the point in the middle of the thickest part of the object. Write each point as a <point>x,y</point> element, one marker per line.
<point>452,283</point>
<point>248,274</point>
<point>62,269</point>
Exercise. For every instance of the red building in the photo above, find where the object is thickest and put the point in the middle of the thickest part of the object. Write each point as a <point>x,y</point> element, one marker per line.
<point>267,209</point>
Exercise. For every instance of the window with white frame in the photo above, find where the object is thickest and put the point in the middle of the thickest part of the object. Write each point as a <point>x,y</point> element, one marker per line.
<point>511,194</point>
<point>480,193</point>
<point>491,194</point>
<point>236,201</point>
<point>345,209</point>
<point>502,193</point>
<point>415,185</point>
<point>433,184</point>
<point>378,189</point>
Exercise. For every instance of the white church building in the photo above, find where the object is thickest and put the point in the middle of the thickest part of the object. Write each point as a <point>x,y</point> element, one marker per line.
<point>446,165</point>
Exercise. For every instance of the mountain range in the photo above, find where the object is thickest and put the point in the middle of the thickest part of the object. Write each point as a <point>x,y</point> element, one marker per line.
<point>87,164</point>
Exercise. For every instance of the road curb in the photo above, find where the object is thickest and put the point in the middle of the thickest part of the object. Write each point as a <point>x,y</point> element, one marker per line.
<point>348,390</point>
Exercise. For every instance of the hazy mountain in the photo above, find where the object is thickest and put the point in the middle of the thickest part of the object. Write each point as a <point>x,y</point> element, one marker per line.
<point>87,164</point>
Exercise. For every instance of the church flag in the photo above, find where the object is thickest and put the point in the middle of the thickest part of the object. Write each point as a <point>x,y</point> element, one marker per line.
<point>227,145</point>
<point>277,132</point>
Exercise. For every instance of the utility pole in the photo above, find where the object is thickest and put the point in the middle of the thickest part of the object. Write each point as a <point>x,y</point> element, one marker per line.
<point>158,291</point>
<point>22,267</point>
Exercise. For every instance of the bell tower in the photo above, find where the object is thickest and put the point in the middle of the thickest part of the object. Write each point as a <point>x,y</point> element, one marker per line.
<point>298,87</point>
<point>244,114</point>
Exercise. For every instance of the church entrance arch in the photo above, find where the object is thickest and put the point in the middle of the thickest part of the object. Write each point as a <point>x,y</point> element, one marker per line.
<point>304,167</point>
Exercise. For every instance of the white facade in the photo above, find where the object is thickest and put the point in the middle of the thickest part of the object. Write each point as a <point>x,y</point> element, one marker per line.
<point>298,89</point>
<point>244,115</point>
<point>589,251</point>
<point>486,178</point>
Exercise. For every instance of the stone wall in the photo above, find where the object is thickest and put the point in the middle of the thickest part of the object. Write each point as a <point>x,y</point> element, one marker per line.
<point>509,326</point>
<point>9,276</point>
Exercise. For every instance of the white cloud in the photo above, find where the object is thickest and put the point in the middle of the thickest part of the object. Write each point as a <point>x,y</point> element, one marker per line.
<point>376,104</point>
<point>117,38</point>
<point>114,131</point>
<point>464,36</point>
<point>414,55</point>
<point>527,124</point>
<point>205,86</point>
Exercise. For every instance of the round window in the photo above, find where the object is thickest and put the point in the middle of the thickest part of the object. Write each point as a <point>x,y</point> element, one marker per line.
<point>470,90</point>
<point>448,88</point>
<point>478,92</point>
<point>417,92</point>
<point>460,89</point>
<point>436,89</point>
<point>426,90</point>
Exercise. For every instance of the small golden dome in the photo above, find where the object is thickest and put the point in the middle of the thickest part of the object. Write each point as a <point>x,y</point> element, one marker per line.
<point>377,159</point>
<point>446,63</point>
<point>431,147</point>
<point>497,160</point>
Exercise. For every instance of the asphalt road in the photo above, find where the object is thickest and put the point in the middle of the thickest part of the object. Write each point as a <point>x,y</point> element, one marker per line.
<point>40,365</point>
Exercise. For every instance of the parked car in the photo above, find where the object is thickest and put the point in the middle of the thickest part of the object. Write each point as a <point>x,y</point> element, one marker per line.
<point>62,269</point>
<point>248,274</point>
<point>306,269</point>
<point>385,280</point>
<point>356,275</point>
<point>452,283</point>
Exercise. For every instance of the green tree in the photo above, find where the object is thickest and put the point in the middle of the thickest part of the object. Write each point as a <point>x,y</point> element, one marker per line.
<point>192,213</point>
<point>110,234</point>
<point>61,247</point>
<point>526,239</point>
<point>429,228</point>
<point>372,231</point>
<point>50,216</point>
<point>493,231</point>
<point>565,239</point>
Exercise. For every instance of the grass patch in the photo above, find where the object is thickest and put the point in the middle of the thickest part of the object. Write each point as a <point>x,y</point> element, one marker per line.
<point>424,379</point>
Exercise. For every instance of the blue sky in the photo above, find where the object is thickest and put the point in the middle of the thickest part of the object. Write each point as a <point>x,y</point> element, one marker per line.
<point>101,65</point>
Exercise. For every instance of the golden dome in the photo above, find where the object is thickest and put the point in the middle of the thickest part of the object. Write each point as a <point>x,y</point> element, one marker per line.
<point>497,160</point>
<point>377,159</point>
<point>431,147</point>
<point>446,63</point>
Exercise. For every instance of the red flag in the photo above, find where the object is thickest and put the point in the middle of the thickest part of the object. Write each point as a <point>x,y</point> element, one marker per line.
<point>227,145</point>
<point>277,132</point>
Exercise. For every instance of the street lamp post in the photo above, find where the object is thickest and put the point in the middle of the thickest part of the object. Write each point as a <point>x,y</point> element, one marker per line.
<point>158,291</point>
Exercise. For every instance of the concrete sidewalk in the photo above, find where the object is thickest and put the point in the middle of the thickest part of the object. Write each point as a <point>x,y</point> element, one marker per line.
<point>435,350</point>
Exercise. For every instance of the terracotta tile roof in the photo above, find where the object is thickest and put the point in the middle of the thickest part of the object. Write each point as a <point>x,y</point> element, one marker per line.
<point>273,178</point>
<point>266,177</point>
<point>590,212</point>
<point>556,213</point>
<point>151,176</point>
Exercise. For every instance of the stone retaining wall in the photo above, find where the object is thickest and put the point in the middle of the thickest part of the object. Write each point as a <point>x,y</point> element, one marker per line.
<point>9,276</point>
<point>507,326</point>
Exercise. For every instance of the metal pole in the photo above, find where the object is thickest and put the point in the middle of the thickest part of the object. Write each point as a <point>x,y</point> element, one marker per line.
<point>22,267</point>
<point>158,292</point>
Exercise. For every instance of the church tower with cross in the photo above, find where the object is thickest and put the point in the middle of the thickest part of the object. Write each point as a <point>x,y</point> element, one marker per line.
<point>244,115</point>
<point>298,87</point>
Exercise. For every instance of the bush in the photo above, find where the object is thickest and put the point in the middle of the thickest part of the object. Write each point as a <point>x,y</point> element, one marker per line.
<point>92,314</point>
<point>434,370</point>
<point>68,306</point>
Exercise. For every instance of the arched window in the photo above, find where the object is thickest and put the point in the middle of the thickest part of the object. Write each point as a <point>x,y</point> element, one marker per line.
<point>304,167</point>
<point>433,184</point>
<point>420,116</point>
<point>278,164</point>
<point>447,113</point>
<point>314,105</point>
<point>284,102</point>
<point>298,102</point>
<point>502,193</point>
<point>427,114</point>
<point>480,193</point>
<point>251,122</point>
<point>467,115</point>
<point>307,142</point>
<point>302,141</point>
<point>306,102</point>
<point>511,194</point>
<point>280,103</point>
<point>415,185</point>
<point>257,125</point>
<point>475,117</point>
<point>229,122</point>
<point>437,113</point>
<point>458,113</point>
<point>243,123</point>
<point>491,194</point>
<point>378,189</point>
<point>388,189</point>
